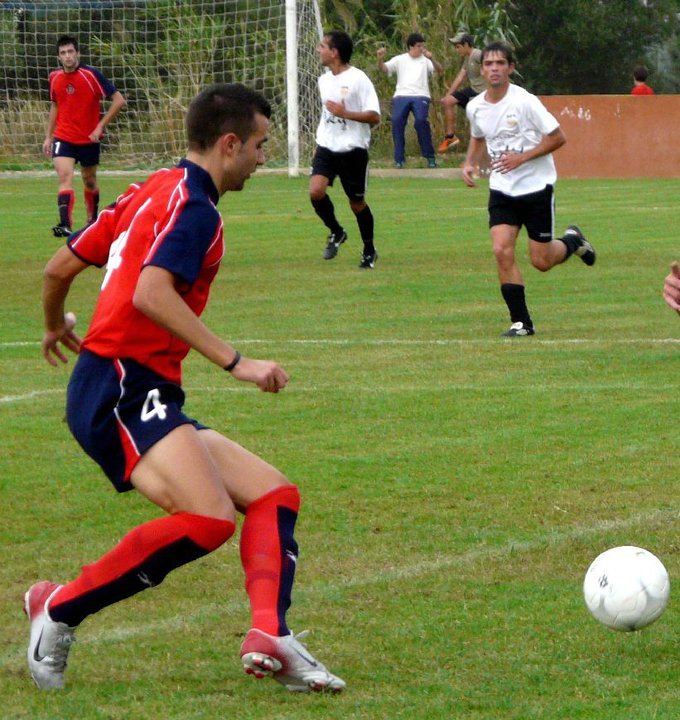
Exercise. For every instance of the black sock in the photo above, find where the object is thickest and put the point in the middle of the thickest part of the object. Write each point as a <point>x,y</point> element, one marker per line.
<point>325,210</point>
<point>514,298</point>
<point>572,245</point>
<point>64,201</point>
<point>365,222</point>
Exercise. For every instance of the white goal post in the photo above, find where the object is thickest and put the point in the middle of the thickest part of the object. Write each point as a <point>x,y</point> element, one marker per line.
<point>159,54</point>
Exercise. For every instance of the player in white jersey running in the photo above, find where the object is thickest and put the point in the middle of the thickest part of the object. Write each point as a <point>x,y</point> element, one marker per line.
<point>520,136</point>
<point>349,109</point>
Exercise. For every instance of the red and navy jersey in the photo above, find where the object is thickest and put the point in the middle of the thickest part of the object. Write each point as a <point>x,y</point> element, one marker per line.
<point>78,97</point>
<point>170,221</point>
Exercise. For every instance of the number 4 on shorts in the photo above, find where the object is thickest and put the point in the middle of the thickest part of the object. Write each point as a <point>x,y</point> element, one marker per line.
<point>153,407</point>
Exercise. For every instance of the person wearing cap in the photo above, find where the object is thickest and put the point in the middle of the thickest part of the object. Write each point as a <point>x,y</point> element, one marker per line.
<point>412,95</point>
<point>470,70</point>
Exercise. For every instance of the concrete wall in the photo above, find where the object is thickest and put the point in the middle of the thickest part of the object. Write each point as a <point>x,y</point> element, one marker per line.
<point>617,136</point>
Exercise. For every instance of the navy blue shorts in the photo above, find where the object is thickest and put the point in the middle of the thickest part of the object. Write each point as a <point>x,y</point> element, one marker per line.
<point>534,210</point>
<point>351,167</point>
<point>86,155</point>
<point>117,409</point>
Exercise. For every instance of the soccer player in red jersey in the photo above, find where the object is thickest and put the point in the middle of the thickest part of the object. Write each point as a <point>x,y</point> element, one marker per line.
<point>162,243</point>
<point>74,128</point>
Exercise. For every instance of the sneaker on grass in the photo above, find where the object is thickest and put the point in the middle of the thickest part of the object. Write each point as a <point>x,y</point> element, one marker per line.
<point>585,250</point>
<point>288,661</point>
<point>49,641</point>
<point>519,329</point>
<point>333,245</point>
<point>368,261</point>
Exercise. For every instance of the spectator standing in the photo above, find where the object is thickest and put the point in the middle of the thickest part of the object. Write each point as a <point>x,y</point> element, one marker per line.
<point>412,95</point>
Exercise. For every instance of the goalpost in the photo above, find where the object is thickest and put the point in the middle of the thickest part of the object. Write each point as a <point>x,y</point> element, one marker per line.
<point>159,54</point>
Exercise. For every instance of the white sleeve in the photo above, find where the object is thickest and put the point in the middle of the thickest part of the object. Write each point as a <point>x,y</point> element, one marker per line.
<point>392,65</point>
<point>369,97</point>
<point>544,121</point>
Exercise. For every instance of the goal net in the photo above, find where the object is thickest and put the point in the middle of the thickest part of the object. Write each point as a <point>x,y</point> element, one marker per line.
<point>159,54</point>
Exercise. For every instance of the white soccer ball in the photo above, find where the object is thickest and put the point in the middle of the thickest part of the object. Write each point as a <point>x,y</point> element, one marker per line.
<point>626,588</point>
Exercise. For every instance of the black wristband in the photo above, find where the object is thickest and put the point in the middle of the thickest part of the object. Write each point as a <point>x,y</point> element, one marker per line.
<point>234,362</point>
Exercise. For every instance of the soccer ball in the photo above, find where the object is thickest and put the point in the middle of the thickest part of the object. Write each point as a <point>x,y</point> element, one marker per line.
<point>626,588</point>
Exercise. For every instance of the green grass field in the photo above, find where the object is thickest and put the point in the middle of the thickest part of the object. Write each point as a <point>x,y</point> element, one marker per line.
<point>455,485</point>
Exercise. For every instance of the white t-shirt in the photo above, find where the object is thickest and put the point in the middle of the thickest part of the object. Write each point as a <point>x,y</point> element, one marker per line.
<point>354,88</point>
<point>516,123</point>
<point>412,75</point>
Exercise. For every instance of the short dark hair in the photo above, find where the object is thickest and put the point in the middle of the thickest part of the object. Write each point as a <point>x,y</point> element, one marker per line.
<point>465,39</point>
<point>220,109</point>
<point>640,73</point>
<point>342,42</point>
<point>500,47</point>
<point>414,39</point>
<point>63,40</point>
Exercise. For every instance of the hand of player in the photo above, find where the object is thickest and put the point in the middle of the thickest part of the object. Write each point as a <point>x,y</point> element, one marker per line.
<point>381,53</point>
<point>469,175</point>
<point>507,161</point>
<point>63,335</point>
<point>96,134</point>
<point>671,288</point>
<point>267,375</point>
<point>336,108</point>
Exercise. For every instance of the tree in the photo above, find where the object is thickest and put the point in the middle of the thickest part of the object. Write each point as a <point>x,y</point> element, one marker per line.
<point>589,46</point>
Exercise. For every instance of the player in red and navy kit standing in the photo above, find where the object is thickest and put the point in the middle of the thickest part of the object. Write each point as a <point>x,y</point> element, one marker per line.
<point>162,243</point>
<point>74,128</point>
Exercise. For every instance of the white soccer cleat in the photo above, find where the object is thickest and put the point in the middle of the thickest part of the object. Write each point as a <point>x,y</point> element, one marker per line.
<point>49,641</point>
<point>288,661</point>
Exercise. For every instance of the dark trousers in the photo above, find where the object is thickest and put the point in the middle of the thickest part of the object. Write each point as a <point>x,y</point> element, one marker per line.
<point>420,107</point>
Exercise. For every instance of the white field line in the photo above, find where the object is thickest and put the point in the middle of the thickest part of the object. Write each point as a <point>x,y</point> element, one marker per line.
<point>322,591</point>
<point>442,342</point>
<point>395,342</point>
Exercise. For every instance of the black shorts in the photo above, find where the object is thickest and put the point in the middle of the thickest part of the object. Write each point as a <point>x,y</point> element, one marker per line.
<point>351,167</point>
<point>464,96</point>
<point>117,409</point>
<point>86,155</point>
<point>535,210</point>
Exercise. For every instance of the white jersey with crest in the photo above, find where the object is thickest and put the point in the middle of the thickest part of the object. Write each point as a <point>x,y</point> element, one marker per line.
<point>516,123</point>
<point>354,88</point>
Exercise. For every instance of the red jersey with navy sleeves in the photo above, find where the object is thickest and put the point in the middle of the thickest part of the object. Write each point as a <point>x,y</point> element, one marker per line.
<point>170,221</point>
<point>78,97</point>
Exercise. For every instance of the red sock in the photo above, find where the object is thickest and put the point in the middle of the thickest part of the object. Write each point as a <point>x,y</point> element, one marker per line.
<point>269,554</point>
<point>141,560</point>
<point>91,204</point>
<point>65,202</point>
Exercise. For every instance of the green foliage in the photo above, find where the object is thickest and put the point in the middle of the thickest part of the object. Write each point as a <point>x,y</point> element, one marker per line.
<point>455,485</point>
<point>581,47</point>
